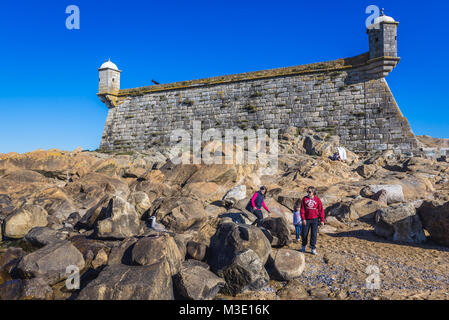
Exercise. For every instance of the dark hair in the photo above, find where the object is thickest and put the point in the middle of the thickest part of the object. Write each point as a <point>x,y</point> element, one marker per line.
<point>313,189</point>
<point>263,188</point>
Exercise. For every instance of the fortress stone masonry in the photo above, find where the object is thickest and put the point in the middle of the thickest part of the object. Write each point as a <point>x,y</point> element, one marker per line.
<point>346,97</point>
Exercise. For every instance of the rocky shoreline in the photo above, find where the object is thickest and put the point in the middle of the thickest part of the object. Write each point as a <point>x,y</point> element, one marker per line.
<point>137,226</point>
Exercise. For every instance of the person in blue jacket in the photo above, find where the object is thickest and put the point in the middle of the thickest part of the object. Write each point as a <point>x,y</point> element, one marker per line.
<point>297,222</point>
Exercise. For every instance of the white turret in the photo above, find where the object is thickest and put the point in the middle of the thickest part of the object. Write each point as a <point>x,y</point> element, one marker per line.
<point>109,78</point>
<point>109,83</point>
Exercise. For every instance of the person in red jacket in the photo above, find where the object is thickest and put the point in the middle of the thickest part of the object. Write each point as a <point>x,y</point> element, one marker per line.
<point>312,215</point>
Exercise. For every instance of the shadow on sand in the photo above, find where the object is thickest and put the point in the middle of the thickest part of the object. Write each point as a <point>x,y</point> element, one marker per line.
<point>370,235</point>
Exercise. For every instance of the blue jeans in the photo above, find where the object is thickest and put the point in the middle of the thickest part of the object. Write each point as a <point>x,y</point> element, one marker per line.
<point>298,231</point>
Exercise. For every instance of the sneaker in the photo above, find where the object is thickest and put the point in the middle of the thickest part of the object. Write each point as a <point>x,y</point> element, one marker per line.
<point>314,252</point>
<point>298,240</point>
<point>303,249</point>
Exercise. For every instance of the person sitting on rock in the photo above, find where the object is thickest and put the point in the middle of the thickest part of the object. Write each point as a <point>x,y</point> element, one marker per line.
<point>336,157</point>
<point>256,203</point>
<point>311,214</point>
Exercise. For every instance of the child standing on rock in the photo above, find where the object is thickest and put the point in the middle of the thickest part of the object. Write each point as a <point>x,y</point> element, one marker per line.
<point>312,215</point>
<point>297,222</point>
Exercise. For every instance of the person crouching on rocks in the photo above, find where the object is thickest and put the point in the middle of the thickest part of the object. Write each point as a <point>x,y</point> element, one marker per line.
<point>256,203</point>
<point>312,215</point>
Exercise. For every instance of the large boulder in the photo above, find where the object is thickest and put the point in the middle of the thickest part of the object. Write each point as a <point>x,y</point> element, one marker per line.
<point>312,146</point>
<point>294,290</point>
<point>400,223</point>
<point>179,214</point>
<point>151,250</point>
<point>89,247</point>
<point>121,220</point>
<point>204,191</point>
<point>181,240</point>
<point>122,252</point>
<point>221,174</point>
<point>334,222</point>
<point>10,259</point>
<point>243,217</point>
<point>418,164</point>
<point>6,205</point>
<point>18,224</point>
<point>191,263</point>
<point>381,196</point>
<point>86,191</point>
<point>134,172</point>
<point>290,199</point>
<point>215,209</point>
<point>195,282</point>
<point>11,290</point>
<point>327,229</point>
<point>367,170</point>
<point>140,201</point>
<point>340,210</point>
<point>278,210</point>
<point>364,209</point>
<point>360,208</point>
<point>122,282</point>
<point>395,193</point>
<point>385,159</point>
<point>36,289</point>
<point>241,205</point>
<point>73,219</point>
<point>101,259</point>
<point>55,201</point>
<point>418,186</point>
<point>246,272</point>
<point>279,230</point>
<point>20,184</point>
<point>231,238</point>
<point>236,194</point>
<point>177,174</point>
<point>196,250</point>
<point>52,163</point>
<point>435,219</point>
<point>41,236</point>
<point>4,276</point>
<point>51,262</point>
<point>153,185</point>
<point>286,264</point>
<point>94,213</point>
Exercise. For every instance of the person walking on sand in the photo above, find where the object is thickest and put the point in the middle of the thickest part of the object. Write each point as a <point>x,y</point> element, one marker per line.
<point>256,203</point>
<point>312,215</point>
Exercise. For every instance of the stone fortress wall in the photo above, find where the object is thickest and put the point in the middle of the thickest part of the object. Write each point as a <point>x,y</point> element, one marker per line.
<point>345,97</point>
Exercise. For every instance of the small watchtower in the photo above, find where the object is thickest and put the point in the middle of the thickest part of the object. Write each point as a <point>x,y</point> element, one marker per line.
<point>109,83</point>
<point>383,40</point>
<point>383,45</point>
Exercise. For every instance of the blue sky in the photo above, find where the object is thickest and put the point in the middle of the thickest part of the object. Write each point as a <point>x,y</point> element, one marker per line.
<point>49,76</point>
